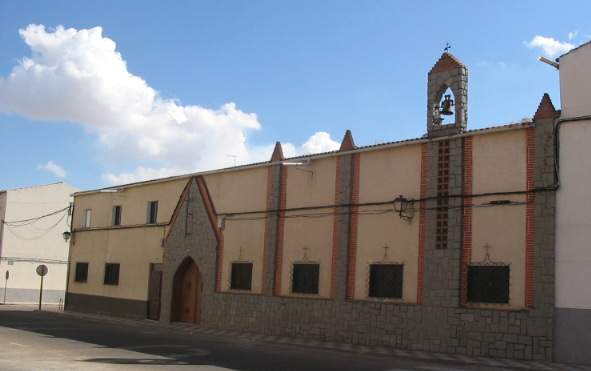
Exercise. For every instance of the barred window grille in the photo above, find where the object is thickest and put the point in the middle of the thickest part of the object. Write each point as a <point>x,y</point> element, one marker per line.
<point>385,280</point>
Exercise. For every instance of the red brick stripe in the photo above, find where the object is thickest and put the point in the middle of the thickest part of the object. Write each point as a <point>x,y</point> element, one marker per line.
<point>530,226</point>
<point>353,222</point>
<point>422,222</point>
<point>467,239</point>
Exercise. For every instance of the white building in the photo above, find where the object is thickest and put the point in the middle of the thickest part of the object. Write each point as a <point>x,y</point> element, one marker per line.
<point>573,219</point>
<point>27,241</point>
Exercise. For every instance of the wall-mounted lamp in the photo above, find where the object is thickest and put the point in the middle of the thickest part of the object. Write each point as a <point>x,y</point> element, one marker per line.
<point>549,62</point>
<point>66,235</point>
<point>404,207</point>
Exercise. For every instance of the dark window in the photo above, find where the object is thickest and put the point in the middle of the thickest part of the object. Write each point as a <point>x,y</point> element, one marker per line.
<point>241,276</point>
<point>116,215</point>
<point>81,272</point>
<point>305,278</point>
<point>111,274</point>
<point>152,212</point>
<point>385,280</point>
<point>488,284</point>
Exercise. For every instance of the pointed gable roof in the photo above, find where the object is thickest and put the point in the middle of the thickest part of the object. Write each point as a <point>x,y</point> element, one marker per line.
<point>546,109</point>
<point>446,62</point>
<point>277,153</point>
<point>348,143</point>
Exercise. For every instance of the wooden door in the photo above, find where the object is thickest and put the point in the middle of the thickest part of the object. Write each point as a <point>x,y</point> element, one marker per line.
<point>154,291</point>
<point>186,293</point>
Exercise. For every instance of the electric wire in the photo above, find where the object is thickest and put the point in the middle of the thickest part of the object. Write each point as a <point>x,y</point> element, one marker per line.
<point>43,234</point>
<point>23,222</point>
<point>375,211</point>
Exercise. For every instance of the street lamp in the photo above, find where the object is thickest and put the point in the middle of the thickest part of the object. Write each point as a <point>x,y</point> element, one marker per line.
<point>67,235</point>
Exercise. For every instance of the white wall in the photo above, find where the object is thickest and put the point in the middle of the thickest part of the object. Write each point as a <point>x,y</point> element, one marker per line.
<point>24,247</point>
<point>573,219</point>
<point>575,82</point>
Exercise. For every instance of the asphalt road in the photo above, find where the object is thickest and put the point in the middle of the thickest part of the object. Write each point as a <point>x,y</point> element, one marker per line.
<point>31,340</point>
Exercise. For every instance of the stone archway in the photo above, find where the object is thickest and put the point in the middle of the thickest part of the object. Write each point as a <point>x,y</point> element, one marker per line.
<point>187,293</point>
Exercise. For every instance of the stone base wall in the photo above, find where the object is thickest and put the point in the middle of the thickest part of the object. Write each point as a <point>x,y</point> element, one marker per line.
<point>117,307</point>
<point>473,332</point>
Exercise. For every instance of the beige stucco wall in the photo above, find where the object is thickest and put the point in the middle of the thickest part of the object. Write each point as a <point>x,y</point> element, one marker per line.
<point>134,202</point>
<point>499,165</point>
<point>306,186</point>
<point>238,191</point>
<point>244,241</point>
<point>384,175</point>
<point>133,248</point>
<point>241,191</point>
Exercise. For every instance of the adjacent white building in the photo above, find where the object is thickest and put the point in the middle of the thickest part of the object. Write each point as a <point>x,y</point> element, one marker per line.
<point>573,219</point>
<point>26,241</point>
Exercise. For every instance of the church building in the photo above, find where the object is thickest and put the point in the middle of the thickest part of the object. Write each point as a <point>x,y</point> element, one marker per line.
<point>442,243</point>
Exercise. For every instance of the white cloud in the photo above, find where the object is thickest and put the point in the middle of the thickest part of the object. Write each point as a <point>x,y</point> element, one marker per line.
<point>142,173</point>
<point>550,46</point>
<point>573,34</point>
<point>53,168</point>
<point>79,76</point>
<point>320,142</point>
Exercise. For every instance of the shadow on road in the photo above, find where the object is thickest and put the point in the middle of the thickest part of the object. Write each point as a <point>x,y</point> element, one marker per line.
<point>153,346</point>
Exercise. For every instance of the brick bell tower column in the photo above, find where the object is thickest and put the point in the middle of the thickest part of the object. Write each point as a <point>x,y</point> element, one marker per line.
<point>444,164</point>
<point>447,73</point>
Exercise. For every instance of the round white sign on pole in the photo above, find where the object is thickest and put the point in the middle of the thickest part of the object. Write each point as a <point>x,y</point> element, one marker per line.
<point>41,270</point>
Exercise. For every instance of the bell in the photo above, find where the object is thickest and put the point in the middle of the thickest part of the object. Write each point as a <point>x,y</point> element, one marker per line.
<point>446,106</point>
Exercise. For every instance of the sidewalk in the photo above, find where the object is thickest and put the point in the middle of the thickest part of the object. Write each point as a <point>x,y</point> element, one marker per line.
<point>317,344</point>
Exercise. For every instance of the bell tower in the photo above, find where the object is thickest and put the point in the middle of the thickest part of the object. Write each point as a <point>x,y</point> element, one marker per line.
<point>447,95</point>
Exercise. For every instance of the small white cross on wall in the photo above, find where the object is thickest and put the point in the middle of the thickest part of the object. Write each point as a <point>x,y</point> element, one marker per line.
<point>386,247</point>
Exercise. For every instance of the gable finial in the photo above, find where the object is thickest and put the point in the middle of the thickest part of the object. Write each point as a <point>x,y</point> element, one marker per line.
<point>447,47</point>
<point>277,153</point>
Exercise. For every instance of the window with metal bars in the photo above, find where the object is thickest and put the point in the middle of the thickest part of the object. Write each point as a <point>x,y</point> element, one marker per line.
<point>241,277</point>
<point>116,215</point>
<point>111,274</point>
<point>152,213</point>
<point>488,284</point>
<point>305,278</point>
<point>81,274</point>
<point>385,280</point>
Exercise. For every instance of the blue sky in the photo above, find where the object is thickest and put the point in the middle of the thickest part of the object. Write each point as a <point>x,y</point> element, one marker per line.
<point>291,69</point>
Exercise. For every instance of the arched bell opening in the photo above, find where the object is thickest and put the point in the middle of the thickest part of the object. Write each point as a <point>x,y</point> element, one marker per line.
<point>444,112</point>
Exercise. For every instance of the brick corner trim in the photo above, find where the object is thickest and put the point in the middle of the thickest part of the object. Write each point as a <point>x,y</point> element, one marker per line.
<point>530,226</point>
<point>353,222</point>
<point>467,221</point>
<point>422,221</point>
